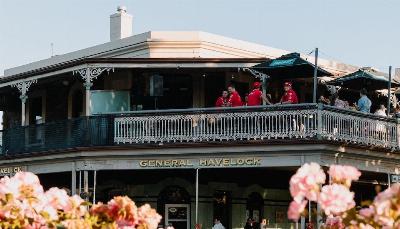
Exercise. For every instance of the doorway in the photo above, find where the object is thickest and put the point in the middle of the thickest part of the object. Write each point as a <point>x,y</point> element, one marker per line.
<point>223,207</point>
<point>254,206</point>
<point>177,215</point>
<point>174,204</point>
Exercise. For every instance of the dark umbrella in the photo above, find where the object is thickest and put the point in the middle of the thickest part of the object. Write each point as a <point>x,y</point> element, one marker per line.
<point>367,78</point>
<point>289,66</point>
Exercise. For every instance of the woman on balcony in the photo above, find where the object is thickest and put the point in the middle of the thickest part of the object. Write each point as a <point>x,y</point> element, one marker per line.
<point>290,96</point>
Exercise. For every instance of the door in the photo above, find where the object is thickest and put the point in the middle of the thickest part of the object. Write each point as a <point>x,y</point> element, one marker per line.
<point>177,215</point>
<point>223,207</point>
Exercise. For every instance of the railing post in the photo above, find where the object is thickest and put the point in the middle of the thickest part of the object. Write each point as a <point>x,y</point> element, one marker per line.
<point>397,134</point>
<point>319,121</point>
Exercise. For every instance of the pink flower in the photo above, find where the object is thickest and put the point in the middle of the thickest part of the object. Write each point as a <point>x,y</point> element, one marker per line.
<point>366,212</point>
<point>23,185</point>
<point>57,198</point>
<point>295,209</point>
<point>123,210</point>
<point>384,215</point>
<point>343,174</point>
<point>148,216</point>
<point>74,207</point>
<point>334,222</point>
<point>305,183</point>
<point>336,199</point>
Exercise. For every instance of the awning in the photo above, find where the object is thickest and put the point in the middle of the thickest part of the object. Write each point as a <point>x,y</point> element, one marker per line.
<point>289,66</point>
<point>367,78</point>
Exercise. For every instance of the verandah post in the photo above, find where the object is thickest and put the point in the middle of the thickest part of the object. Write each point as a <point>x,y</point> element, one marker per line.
<point>319,121</point>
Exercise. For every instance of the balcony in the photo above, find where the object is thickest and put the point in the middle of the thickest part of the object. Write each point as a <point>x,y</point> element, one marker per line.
<point>284,124</point>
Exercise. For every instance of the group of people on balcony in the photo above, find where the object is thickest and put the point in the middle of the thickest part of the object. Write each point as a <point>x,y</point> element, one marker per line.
<point>231,98</point>
<point>363,104</point>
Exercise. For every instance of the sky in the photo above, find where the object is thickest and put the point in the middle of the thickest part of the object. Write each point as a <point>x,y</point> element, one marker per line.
<point>358,32</point>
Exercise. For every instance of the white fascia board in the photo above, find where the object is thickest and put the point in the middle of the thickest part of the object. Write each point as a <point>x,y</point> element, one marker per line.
<point>45,75</point>
<point>132,65</point>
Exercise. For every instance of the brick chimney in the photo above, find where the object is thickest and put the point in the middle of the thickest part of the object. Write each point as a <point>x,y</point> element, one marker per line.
<point>120,24</point>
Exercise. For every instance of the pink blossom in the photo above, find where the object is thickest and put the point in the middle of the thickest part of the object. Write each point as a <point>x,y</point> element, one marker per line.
<point>9,186</point>
<point>305,183</point>
<point>334,222</point>
<point>57,198</point>
<point>295,209</point>
<point>149,216</point>
<point>336,199</point>
<point>383,206</point>
<point>344,174</point>
<point>123,210</point>
<point>366,212</point>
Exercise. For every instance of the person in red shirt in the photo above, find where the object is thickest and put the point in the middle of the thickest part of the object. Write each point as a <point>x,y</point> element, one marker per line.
<point>290,96</point>
<point>222,101</point>
<point>234,98</point>
<point>256,96</point>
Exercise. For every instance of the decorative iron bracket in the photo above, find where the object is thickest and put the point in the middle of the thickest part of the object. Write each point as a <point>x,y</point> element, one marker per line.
<point>23,88</point>
<point>255,73</point>
<point>90,73</point>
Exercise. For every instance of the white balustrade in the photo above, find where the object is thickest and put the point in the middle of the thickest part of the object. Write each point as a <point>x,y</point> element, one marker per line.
<point>257,124</point>
<point>359,130</point>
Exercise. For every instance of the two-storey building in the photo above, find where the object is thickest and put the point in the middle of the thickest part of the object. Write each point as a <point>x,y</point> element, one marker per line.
<point>134,117</point>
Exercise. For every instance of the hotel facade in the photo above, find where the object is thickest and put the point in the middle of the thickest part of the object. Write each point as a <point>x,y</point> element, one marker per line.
<point>134,116</point>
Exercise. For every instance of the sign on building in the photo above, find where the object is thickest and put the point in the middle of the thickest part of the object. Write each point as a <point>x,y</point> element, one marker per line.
<point>10,171</point>
<point>395,178</point>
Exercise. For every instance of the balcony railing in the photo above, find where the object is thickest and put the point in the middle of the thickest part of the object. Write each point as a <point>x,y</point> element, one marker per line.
<point>264,123</point>
<point>305,121</point>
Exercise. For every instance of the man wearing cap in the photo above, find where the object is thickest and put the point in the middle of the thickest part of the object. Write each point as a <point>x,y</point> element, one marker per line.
<point>234,98</point>
<point>290,96</point>
<point>256,96</point>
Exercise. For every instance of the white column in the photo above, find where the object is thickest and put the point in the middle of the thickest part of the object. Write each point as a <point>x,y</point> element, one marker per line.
<point>197,196</point>
<point>87,101</point>
<point>23,110</point>
<point>94,186</point>
<point>73,179</point>
<point>80,183</point>
<point>86,183</point>
<point>23,88</point>
<point>303,222</point>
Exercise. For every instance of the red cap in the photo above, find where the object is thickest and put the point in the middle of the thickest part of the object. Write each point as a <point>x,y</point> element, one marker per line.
<point>256,84</point>
<point>287,84</point>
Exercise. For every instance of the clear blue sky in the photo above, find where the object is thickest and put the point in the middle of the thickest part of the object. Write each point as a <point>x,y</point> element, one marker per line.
<point>359,32</point>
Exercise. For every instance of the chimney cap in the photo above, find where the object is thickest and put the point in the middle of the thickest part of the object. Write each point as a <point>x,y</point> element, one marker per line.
<point>121,9</point>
